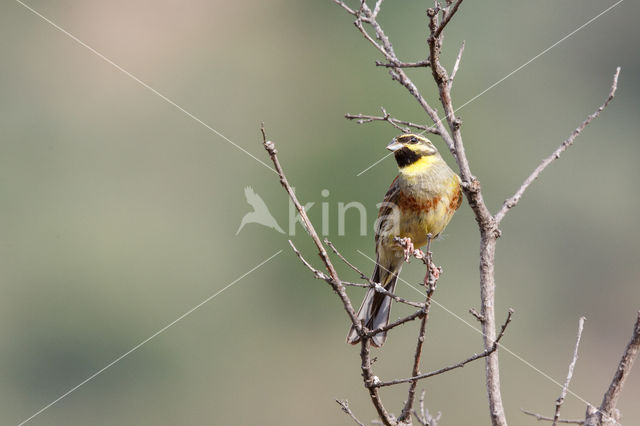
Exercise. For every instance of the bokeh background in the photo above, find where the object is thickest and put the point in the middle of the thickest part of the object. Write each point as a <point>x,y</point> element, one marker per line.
<point>119,212</point>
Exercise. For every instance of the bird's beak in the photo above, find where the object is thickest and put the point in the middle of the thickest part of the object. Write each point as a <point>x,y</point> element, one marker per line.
<point>394,145</point>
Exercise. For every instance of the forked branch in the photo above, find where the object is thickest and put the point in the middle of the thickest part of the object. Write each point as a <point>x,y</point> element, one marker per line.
<point>541,418</point>
<point>335,280</point>
<point>398,124</point>
<point>344,405</point>
<point>460,364</point>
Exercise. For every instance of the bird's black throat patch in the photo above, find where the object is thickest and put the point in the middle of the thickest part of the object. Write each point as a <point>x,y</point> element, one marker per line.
<point>406,157</point>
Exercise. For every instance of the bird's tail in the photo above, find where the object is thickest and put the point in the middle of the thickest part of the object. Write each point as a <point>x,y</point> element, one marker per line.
<point>376,307</point>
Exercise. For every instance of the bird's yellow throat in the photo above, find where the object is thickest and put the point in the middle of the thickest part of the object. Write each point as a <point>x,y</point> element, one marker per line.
<point>421,165</point>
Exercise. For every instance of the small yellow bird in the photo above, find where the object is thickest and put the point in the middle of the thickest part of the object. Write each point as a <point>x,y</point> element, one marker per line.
<point>421,200</point>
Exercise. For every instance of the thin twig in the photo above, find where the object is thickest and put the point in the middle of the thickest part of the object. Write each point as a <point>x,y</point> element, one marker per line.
<point>572,365</point>
<point>424,417</point>
<point>336,284</point>
<point>349,264</point>
<point>542,418</point>
<point>371,284</point>
<point>513,201</point>
<point>345,7</point>
<point>406,411</point>
<point>608,414</point>
<point>456,65</point>
<point>334,281</point>
<point>397,64</point>
<point>363,119</point>
<point>431,280</point>
<point>476,315</point>
<point>474,357</point>
<point>377,287</point>
<point>376,8</point>
<point>385,47</point>
<point>369,380</point>
<point>345,407</point>
<point>447,17</point>
<point>398,322</point>
<point>318,274</point>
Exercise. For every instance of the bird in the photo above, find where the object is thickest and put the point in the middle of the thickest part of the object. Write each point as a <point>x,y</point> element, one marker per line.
<point>260,213</point>
<point>419,205</point>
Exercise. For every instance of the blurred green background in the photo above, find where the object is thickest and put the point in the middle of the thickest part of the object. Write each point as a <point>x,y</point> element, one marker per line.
<point>119,212</point>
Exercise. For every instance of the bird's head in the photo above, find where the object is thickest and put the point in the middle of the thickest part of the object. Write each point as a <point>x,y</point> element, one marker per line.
<point>409,148</point>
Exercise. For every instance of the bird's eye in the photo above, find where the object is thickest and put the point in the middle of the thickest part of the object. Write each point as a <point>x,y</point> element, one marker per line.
<point>413,139</point>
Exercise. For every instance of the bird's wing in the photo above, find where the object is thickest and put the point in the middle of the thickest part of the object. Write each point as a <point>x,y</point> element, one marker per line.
<point>254,200</point>
<point>386,220</point>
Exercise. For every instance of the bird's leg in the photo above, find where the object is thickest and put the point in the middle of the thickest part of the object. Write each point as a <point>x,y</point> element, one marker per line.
<point>429,238</point>
<point>433,272</point>
<point>407,247</point>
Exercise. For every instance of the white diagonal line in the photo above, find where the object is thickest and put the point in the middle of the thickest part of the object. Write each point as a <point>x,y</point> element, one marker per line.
<point>502,346</point>
<point>515,70</point>
<point>375,164</point>
<point>539,54</point>
<point>142,83</point>
<point>136,347</point>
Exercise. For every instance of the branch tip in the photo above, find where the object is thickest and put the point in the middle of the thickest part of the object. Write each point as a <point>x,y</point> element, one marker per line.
<point>513,201</point>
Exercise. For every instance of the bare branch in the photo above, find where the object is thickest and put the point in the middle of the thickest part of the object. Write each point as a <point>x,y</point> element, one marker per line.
<point>345,7</point>
<point>398,322</point>
<point>350,284</point>
<point>504,327</point>
<point>454,141</point>
<point>349,264</point>
<point>385,48</point>
<point>487,225</point>
<point>336,284</point>
<point>572,365</point>
<point>448,14</point>
<point>477,315</point>
<point>439,371</point>
<point>364,15</point>
<point>439,18</point>
<point>376,286</point>
<point>345,407</point>
<point>362,119</point>
<point>370,380</point>
<point>474,357</point>
<point>542,418</point>
<point>318,274</point>
<point>424,417</point>
<point>456,65</point>
<point>376,8</point>
<point>397,64</point>
<point>406,411</point>
<point>431,280</point>
<point>608,414</point>
<point>513,201</point>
